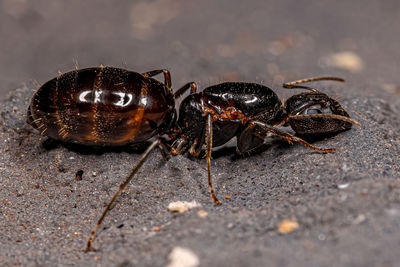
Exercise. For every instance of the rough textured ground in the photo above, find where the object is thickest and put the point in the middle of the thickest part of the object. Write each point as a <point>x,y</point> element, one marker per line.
<point>347,204</point>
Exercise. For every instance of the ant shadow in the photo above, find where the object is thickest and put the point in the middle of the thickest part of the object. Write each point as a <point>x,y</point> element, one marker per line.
<point>224,151</point>
<point>230,150</point>
<point>139,148</point>
<point>273,142</point>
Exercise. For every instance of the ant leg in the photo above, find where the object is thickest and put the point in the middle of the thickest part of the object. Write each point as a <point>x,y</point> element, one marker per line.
<point>121,188</point>
<point>293,85</point>
<point>328,116</point>
<point>76,64</point>
<point>265,130</point>
<point>167,76</point>
<point>164,151</point>
<point>193,88</point>
<point>195,149</point>
<point>208,157</point>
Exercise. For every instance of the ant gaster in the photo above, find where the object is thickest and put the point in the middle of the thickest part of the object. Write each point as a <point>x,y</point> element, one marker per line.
<point>108,106</point>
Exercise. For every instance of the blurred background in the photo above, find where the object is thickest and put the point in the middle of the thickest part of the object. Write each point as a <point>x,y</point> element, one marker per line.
<point>206,41</point>
<point>347,204</point>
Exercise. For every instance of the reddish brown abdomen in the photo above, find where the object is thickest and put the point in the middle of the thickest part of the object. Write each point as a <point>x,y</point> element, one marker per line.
<point>101,106</point>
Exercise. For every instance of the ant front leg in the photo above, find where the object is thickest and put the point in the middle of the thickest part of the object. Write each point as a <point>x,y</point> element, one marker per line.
<point>259,130</point>
<point>166,73</point>
<point>320,123</point>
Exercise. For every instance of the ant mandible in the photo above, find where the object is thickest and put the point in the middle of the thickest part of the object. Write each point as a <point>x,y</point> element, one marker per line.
<point>108,106</point>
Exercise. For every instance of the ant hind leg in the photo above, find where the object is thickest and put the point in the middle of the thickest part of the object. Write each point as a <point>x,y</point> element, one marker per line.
<point>122,186</point>
<point>166,73</point>
<point>190,85</point>
<point>208,157</point>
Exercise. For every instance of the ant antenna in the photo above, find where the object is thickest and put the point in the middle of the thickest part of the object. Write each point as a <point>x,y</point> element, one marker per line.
<point>294,84</point>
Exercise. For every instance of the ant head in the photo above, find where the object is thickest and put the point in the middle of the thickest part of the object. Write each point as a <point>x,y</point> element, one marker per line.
<point>314,112</point>
<point>312,103</point>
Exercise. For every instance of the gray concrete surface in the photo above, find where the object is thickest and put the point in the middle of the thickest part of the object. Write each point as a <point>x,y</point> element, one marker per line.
<point>347,204</point>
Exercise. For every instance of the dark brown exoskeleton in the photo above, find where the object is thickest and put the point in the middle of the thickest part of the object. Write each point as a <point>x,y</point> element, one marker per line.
<point>303,110</point>
<point>112,107</point>
<point>103,106</point>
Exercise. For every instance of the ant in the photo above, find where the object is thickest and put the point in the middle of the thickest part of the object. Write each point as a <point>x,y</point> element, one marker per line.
<point>105,106</point>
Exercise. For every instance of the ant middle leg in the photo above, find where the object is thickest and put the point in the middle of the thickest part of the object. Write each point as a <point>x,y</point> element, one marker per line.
<point>165,152</point>
<point>208,157</point>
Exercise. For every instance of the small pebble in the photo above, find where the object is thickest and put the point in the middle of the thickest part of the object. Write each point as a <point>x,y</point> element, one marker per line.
<point>346,60</point>
<point>359,219</point>
<point>287,226</point>
<point>343,186</point>
<point>183,257</point>
<point>182,206</point>
<point>202,213</point>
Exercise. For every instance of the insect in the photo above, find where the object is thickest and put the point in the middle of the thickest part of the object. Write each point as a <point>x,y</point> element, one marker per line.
<point>108,106</point>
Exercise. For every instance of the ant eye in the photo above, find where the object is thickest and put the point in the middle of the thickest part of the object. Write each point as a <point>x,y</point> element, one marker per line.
<point>313,111</point>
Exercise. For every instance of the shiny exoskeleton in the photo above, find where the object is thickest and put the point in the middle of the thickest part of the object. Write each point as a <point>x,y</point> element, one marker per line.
<point>111,107</point>
<point>102,106</point>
